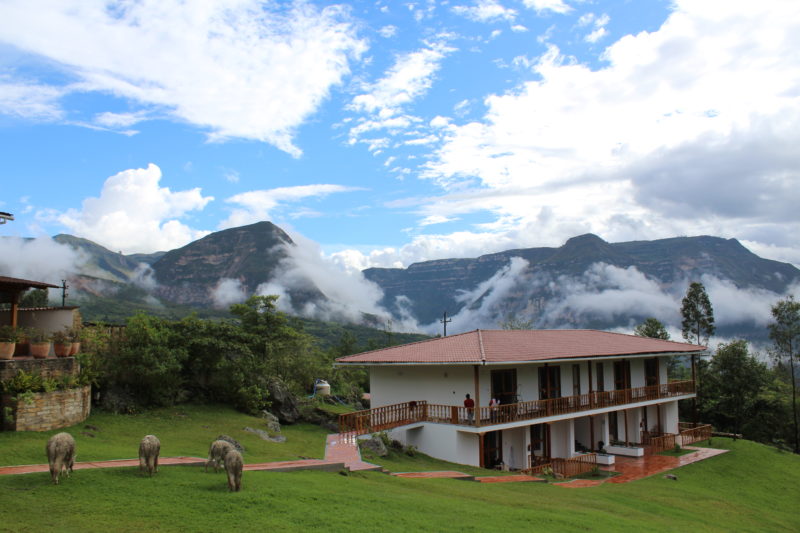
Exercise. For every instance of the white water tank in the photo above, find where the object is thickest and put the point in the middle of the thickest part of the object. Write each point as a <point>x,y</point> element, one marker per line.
<point>323,388</point>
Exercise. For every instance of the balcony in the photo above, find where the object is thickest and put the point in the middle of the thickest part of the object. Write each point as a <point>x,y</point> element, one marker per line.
<point>401,414</point>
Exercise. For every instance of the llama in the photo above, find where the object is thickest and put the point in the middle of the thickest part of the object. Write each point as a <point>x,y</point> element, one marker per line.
<point>149,449</point>
<point>60,455</point>
<point>217,453</point>
<point>233,466</point>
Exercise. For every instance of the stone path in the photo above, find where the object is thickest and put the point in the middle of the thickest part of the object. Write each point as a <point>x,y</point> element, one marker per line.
<point>162,461</point>
<point>633,468</point>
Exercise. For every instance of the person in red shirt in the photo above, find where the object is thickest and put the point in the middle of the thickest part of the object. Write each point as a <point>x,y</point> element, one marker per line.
<point>469,403</point>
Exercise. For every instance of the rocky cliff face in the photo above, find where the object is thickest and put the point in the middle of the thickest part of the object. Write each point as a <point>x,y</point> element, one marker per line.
<point>427,289</point>
<point>251,255</point>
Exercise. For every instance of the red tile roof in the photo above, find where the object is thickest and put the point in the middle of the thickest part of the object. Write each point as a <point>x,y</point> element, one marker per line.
<point>499,346</point>
<point>23,284</point>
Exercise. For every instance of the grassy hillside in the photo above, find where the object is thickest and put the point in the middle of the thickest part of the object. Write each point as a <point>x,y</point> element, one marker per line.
<point>752,488</point>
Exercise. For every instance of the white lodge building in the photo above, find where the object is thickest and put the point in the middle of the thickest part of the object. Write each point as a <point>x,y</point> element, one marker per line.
<point>561,393</point>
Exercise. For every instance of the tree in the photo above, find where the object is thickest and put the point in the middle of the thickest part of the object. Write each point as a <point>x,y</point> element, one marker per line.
<point>653,328</point>
<point>34,298</point>
<point>785,334</point>
<point>514,322</point>
<point>698,315</point>
<point>731,387</point>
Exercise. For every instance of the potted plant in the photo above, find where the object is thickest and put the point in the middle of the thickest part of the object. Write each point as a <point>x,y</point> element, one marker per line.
<point>40,343</point>
<point>62,342</point>
<point>76,341</point>
<point>8,341</point>
<point>23,343</point>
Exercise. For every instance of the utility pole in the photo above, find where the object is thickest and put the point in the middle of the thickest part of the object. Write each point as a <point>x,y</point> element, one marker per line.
<point>64,288</point>
<point>444,320</point>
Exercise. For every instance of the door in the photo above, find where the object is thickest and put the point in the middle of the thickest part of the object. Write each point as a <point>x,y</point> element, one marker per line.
<point>622,374</point>
<point>493,449</point>
<point>549,382</point>
<point>651,372</point>
<point>612,427</point>
<point>504,385</point>
<point>540,442</point>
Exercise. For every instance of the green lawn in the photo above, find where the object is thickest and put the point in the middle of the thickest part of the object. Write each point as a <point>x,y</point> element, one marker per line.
<point>752,488</point>
<point>184,430</point>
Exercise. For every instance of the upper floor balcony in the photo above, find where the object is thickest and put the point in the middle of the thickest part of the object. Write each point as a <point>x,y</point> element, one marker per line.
<point>401,414</point>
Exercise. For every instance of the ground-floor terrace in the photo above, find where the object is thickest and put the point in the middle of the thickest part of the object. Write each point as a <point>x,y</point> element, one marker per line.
<point>528,435</point>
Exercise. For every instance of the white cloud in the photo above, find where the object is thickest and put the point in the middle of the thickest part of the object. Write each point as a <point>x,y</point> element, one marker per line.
<point>41,259</point>
<point>485,11</point>
<point>228,292</point>
<point>135,214</point>
<point>236,68</point>
<point>387,31</point>
<point>556,6</point>
<point>435,219</point>
<point>30,100</point>
<point>231,176</point>
<point>686,130</point>
<point>119,120</point>
<point>255,206</point>
<point>596,35</point>
<point>409,78</point>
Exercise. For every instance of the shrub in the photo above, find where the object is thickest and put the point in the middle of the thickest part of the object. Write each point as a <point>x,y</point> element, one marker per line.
<point>8,334</point>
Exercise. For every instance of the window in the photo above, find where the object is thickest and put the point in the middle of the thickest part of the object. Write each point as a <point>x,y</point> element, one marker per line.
<point>600,379</point>
<point>576,380</point>
<point>651,371</point>
<point>504,386</point>
<point>622,374</point>
<point>549,382</point>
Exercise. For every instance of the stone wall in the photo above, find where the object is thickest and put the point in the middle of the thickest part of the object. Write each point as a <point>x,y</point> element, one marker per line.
<point>48,368</point>
<point>48,410</point>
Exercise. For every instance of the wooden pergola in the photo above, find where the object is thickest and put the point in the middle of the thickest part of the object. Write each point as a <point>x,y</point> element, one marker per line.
<point>11,290</point>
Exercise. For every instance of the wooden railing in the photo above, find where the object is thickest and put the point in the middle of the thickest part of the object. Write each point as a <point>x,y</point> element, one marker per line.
<point>391,416</point>
<point>691,433</point>
<point>574,466</point>
<point>382,418</point>
<point>658,442</point>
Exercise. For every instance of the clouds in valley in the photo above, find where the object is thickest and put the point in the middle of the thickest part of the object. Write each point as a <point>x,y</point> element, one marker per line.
<point>603,296</point>
<point>274,63</point>
<point>41,259</point>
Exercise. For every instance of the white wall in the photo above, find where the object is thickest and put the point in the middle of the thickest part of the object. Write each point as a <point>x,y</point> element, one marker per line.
<point>669,417</point>
<point>434,384</point>
<point>562,438</point>
<point>515,452</point>
<point>442,442</point>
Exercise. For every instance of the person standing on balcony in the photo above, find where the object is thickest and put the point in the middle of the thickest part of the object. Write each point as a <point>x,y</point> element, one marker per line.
<point>469,403</point>
<point>493,403</point>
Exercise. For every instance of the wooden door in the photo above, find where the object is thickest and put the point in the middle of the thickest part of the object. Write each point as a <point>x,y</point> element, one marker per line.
<point>549,382</point>
<point>493,449</point>
<point>504,385</point>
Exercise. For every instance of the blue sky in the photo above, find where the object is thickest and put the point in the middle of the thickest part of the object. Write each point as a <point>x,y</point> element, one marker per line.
<point>384,133</point>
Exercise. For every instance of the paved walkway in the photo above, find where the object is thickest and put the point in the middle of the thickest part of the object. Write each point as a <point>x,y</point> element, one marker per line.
<point>633,468</point>
<point>162,461</point>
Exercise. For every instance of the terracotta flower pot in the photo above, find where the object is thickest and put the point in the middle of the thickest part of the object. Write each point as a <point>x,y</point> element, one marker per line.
<point>76,347</point>
<point>62,349</point>
<point>40,350</point>
<point>7,350</point>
